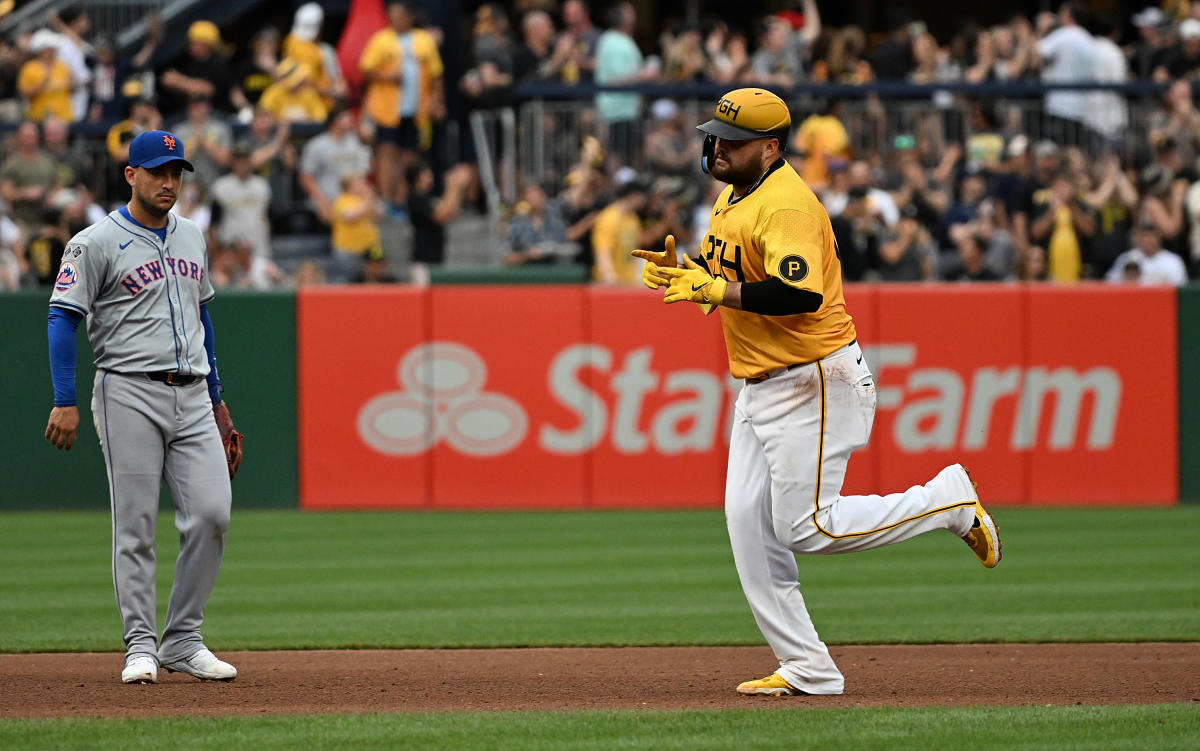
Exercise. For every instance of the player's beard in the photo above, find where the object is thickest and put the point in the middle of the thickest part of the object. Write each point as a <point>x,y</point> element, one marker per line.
<point>153,205</point>
<point>742,175</point>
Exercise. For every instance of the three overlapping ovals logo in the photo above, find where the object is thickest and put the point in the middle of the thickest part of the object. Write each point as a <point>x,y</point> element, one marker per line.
<point>442,398</point>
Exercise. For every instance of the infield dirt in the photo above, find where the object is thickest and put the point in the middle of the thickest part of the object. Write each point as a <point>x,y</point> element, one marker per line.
<point>87,685</point>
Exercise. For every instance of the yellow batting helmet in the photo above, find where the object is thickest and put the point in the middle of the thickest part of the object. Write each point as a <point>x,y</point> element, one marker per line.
<point>744,114</point>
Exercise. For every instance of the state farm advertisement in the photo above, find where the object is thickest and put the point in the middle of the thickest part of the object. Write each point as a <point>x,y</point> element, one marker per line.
<point>574,396</point>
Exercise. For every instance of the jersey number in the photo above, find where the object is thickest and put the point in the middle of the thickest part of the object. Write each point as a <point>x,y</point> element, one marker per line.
<point>718,248</point>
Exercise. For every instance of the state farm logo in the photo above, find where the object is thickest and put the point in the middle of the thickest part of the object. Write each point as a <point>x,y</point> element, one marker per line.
<point>441,398</point>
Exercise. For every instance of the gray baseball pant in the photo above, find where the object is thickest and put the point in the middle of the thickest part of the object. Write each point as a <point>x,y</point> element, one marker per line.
<point>150,431</point>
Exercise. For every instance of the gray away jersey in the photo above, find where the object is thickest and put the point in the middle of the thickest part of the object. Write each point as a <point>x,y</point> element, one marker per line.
<point>142,297</point>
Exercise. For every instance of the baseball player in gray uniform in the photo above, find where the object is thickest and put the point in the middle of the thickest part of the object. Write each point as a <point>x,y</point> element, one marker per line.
<point>140,276</point>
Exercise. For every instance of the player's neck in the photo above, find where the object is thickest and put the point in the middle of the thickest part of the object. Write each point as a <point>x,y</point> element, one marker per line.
<point>144,218</point>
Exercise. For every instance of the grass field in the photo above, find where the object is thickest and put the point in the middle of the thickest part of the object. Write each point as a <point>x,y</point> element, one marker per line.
<point>294,580</point>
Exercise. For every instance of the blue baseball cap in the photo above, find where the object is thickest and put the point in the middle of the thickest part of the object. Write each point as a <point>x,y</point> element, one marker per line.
<point>155,148</point>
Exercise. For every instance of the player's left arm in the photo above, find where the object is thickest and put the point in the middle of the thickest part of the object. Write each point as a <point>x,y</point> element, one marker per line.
<point>231,439</point>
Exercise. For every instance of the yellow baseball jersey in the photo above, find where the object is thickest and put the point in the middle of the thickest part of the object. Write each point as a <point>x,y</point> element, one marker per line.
<point>384,56</point>
<point>48,91</point>
<point>778,229</point>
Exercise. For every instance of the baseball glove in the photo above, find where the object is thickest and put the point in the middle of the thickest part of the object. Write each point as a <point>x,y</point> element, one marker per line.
<point>230,437</point>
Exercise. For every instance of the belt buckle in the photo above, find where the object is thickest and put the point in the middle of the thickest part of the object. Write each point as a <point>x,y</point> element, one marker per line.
<point>174,379</point>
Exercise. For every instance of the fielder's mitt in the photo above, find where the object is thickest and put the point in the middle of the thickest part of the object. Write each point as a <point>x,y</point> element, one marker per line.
<point>230,437</point>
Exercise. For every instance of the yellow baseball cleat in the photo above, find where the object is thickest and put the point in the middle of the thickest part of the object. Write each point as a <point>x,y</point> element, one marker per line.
<point>772,685</point>
<point>984,536</point>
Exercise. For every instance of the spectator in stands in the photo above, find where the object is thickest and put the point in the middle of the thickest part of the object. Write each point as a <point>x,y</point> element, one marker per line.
<point>104,91</point>
<point>619,61</point>
<point>1107,113</point>
<point>72,25</point>
<point>1154,263</point>
<point>237,266</point>
<point>70,157</point>
<point>44,249</point>
<point>1062,224</point>
<point>327,157</point>
<point>616,232</point>
<point>354,223</point>
<point>294,96</point>
<point>404,95</point>
<point>143,116</point>
<point>531,62</point>
<point>240,200</point>
<point>1015,49</point>
<point>537,232</point>
<point>45,81</point>
<point>118,78</point>
<point>1067,52</point>
<point>574,58</point>
<point>273,158</point>
<point>892,60</point>
<point>844,61</point>
<point>670,148</point>
<point>193,204</point>
<point>777,62</point>
<point>856,230</point>
<point>1176,119</point>
<point>1115,202</point>
<point>1148,53</point>
<point>819,141</point>
<point>303,44</point>
<point>255,74</point>
<point>488,84</point>
<point>28,179</point>
<point>429,215</point>
<point>728,59</point>
<point>906,252</point>
<point>971,266</point>
<point>683,56</point>
<point>11,60</point>
<point>204,72</point>
<point>207,140</point>
<point>1163,196</point>
<point>1182,60</point>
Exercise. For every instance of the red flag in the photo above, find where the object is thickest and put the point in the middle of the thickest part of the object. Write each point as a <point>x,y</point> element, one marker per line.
<point>364,19</point>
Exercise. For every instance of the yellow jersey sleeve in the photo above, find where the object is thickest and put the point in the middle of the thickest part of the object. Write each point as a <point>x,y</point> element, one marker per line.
<point>375,53</point>
<point>792,244</point>
<point>427,52</point>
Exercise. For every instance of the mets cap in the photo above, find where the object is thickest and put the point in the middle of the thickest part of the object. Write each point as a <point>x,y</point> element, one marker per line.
<point>155,148</point>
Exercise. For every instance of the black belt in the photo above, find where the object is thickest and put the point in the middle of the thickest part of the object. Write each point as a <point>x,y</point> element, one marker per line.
<point>172,379</point>
<point>785,368</point>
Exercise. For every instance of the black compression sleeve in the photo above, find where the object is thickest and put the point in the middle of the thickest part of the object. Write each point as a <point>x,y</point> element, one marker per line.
<point>772,297</point>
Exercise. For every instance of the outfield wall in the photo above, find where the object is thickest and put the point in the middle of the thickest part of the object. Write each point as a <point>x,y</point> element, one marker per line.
<point>572,396</point>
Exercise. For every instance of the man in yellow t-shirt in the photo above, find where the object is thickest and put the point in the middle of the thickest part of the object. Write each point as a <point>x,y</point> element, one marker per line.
<point>354,223</point>
<point>615,233</point>
<point>770,263</point>
<point>403,72</point>
<point>45,81</point>
<point>820,139</point>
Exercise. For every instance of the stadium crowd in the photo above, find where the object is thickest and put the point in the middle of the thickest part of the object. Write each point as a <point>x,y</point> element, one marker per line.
<point>1069,185</point>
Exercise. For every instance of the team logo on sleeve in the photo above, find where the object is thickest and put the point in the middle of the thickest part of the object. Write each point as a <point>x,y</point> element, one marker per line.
<point>793,268</point>
<point>67,276</point>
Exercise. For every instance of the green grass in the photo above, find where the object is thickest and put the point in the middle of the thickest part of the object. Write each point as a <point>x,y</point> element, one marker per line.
<point>309,580</point>
<point>1144,728</point>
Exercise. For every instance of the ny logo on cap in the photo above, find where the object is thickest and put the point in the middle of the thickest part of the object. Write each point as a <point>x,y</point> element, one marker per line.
<point>170,142</point>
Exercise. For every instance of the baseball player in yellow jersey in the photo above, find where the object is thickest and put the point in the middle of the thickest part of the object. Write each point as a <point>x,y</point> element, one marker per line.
<point>770,263</point>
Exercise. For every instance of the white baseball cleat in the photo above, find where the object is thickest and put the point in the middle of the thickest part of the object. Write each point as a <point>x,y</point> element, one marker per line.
<point>140,669</point>
<point>203,664</point>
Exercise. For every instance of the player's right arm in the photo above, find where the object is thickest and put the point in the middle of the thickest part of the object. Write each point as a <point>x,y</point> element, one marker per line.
<point>63,425</point>
<point>75,289</point>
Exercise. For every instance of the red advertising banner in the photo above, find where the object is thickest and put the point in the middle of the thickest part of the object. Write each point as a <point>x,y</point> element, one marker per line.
<point>558,397</point>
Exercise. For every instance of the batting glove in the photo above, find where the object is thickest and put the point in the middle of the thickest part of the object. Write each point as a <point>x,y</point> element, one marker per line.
<point>652,275</point>
<point>694,284</point>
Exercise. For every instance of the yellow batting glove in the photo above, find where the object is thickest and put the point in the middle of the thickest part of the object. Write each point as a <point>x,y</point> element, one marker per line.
<point>652,275</point>
<point>694,284</point>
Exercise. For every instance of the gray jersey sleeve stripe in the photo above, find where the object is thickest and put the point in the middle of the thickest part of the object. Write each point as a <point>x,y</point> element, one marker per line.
<point>68,306</point>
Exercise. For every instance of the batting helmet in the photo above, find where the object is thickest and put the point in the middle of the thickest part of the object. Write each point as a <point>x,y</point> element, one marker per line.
<point>743,114</point>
